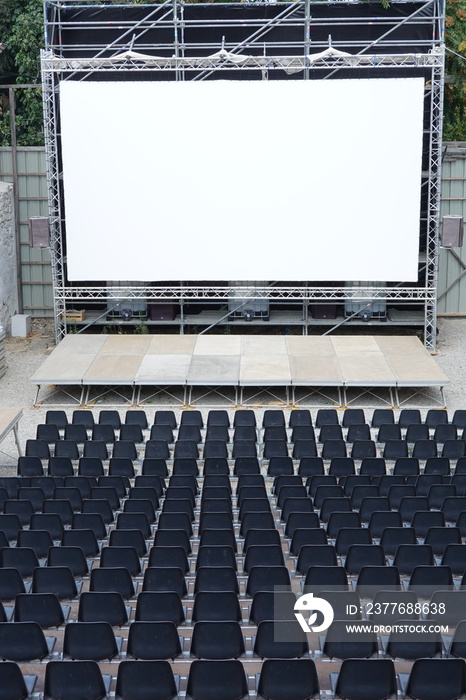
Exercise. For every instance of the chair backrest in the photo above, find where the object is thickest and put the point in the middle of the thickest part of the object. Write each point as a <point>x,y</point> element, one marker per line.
<point>70,679</point>
<point>134,677</point>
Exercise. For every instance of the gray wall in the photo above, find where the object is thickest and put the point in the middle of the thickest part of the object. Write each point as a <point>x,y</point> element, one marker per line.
<point>8,286</point>
<point>36,275</point>
<point>452,263</point>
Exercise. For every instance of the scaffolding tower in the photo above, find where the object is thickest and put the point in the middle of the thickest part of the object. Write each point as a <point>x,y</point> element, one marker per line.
<point>175,40</point>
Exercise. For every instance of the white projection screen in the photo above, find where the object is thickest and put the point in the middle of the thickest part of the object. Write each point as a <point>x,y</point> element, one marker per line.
<point>238,180</point>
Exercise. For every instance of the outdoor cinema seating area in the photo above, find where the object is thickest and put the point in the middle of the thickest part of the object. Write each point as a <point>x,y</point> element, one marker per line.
<point>160,554</point>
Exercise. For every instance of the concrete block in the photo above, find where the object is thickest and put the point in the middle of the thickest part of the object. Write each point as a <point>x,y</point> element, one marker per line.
<point>20,325</point>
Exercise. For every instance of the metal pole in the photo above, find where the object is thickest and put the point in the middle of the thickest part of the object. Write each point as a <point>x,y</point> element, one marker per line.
<point>14,156</point>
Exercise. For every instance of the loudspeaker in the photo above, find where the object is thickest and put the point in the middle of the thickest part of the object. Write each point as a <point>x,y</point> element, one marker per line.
<point>39,236</point>
<point>324,310</point>
<point>452,232</point>
<point>163,312</point>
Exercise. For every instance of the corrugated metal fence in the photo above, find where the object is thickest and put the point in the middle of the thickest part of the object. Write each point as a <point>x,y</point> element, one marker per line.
<point>452,263</point>
<point>36,277</point>
<point>35,262</point>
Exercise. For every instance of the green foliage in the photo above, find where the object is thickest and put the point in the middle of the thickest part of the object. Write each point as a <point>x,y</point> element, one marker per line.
<point>455,93</point>
<point>22,32</point>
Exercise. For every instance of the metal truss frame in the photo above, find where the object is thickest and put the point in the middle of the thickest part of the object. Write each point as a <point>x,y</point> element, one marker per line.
<point>235,59</point>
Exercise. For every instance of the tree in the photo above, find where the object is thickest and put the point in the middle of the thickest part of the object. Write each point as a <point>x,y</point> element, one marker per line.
<point>22,32</point>
<point>455,92</point>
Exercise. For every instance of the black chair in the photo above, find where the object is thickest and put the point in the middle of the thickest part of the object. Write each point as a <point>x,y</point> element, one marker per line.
<point>366,679</point>
<point>214,555</point>
<point>30,466</point>
<point>162,433</point>
<point>160,606</point>
<point>436,679</point>
<point>37,448</point>
<point>302,537</point>
<point>326,416</point>
<point>156,450</point>
<point>349,536</point>
<point>70,680</point>
<point>37,540</point>
<point>453,449</point>
<point>11,584</point>
<point>452,506</point>
<point>303,432</point>
<point>136,417</point>
<point>425,580</point>
<point>217,432</point>
<point>447,606</point>
<point>85,539</point>
<point>71,557</point>
<point>246,433</point>
<point>415,432</point>
<point>189,432</point>
<point>169,557</point>
<point>216,606</point>
<point>83,416</point>
<point>325,578</point>
<point>303,449</point>
<point>138,679</point>
<point>263,555</point>
<point>406,466</point>
<point>218,417</point>
<point>246,466</point>
<point>409,505</point>
<point>49,433</point>
<point>440,537</point>
<point>14,685</point>
<point>216,466</point>
<point>56,417</point>
<point>383,600</point>
<point>358,431</point>
<point>103,433</point>
<point>315,555</point>
<point>272,605</point>
<point>96,606</point>
<point>454,557</point>
<point>168,578</point>
<point>185,466</point>
<point>388,431</point>
<point>277,639</point>
<point>121,557</point>
<point>93,641</point>
<point>105,580</point>
<point>151,640</point>
<point>277,452</point>
<point>373,466</point>
<point>165,417</point>
<point>55,579</point>
<point>445,432</point>
<point>458,641</point>
<point>288,679</point>
<point>372,579</point>
<point>394,449</point>
<point>24,641</point>
<point>66,448</point>
<point>217,640</point>
<point>75,432</point>
<point>408,556</point>
<point>274,432</point>
<point>24,559</point>
<point>339,644</point>
<point>266,578</point>
<point>423,520</point>
<point>192,418</point>
<point>360,555</point>
<point>392,537</point>
<point>223,538</point>
<point>311,466</point>
<point>43,608</point>
<point>409,645</point>
<point>301,520</point>
<point>381,416</point>
<point>216,680</point>
<point>423,449</point>
<point>90,466</point>
<point>95,448</point>
<point>211,578</point>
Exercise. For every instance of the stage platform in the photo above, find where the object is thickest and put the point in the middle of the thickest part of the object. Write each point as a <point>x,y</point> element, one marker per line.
<point>293,370</point>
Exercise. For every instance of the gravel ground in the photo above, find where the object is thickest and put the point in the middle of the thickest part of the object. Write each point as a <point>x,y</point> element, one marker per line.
<point>24,356</point>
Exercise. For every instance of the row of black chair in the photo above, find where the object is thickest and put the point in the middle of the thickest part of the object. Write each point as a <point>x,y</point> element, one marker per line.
<point>271,418</point>
<point>279,679</point>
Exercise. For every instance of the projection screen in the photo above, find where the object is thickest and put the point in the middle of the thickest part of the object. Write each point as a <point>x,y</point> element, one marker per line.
<point>238,180</point>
